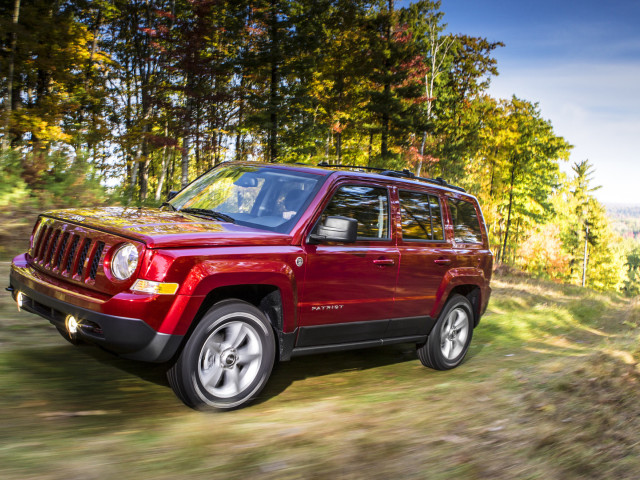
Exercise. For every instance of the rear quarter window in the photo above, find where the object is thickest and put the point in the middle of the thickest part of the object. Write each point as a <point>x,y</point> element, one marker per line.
<point>464,217</point>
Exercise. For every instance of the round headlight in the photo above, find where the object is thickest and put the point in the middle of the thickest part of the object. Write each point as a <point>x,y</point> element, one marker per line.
<point>124,261</point>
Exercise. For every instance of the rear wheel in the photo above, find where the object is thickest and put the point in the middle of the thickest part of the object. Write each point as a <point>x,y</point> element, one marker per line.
<point>449,340</point>
<point>228,358</point>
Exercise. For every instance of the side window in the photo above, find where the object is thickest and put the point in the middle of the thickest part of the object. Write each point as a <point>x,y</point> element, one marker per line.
<point>368,205</point>
<point>466,226</point>
<point>421,216</point>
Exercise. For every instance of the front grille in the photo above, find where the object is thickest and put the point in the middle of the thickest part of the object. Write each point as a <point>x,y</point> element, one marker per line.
<point>96,260</point>
<point>68,251</point>
<point>63,247</point>
<point>72,252</point>
<point>83,256</point>
<point>72,256</point>
<point>44,246</point>
<point>38,240</point>
<point>53,246</point>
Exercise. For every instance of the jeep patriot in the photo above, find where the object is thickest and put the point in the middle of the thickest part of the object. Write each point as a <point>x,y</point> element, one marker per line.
<point>254,263</point>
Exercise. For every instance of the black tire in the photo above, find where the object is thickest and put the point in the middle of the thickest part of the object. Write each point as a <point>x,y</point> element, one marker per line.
<point>449,340</point>
<point>228,358</point>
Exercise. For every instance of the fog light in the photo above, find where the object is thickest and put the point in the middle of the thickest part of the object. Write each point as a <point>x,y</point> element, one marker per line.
<point>20,300</point>
<point>72,325</point>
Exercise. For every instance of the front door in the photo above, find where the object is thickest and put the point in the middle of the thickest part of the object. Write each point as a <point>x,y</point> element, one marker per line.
<point>348,293</point>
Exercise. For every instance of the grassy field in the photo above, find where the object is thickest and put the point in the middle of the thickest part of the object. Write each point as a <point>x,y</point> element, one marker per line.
<point>550,390</point>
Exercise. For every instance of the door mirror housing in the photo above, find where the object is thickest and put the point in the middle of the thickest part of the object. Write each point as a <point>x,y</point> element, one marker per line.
<point>172,194</point>
<point>336,229</point>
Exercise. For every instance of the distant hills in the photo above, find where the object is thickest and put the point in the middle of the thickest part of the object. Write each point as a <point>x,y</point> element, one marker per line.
<point>625,219</point>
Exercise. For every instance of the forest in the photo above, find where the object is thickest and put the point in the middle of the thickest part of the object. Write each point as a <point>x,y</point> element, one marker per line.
<point>120,102</point>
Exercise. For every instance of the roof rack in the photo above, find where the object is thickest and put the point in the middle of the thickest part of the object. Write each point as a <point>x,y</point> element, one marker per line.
<point>398,174</point>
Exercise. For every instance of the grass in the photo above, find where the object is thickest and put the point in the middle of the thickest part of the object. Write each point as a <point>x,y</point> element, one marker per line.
<point>549,391</point>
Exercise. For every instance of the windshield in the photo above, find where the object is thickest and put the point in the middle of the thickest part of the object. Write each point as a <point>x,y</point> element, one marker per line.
<point>255,196</point>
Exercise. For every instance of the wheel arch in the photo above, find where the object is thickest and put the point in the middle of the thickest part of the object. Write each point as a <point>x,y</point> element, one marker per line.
<point>472,292</point>
<point>465,284</point>
<point>265,297</point>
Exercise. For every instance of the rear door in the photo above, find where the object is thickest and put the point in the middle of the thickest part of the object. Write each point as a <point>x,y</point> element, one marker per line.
<point>425,256</point>
<point>348,293</point>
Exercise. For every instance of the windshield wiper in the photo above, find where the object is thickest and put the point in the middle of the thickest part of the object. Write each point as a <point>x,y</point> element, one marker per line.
<point>210,213</point>
<point>167,204</point>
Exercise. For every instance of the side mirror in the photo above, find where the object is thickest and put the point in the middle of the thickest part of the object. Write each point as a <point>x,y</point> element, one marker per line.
<point>336,229</point>
<point>172,194</point>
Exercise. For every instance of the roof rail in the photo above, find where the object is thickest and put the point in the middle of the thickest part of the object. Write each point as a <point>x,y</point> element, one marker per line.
<point>398,174</point>
<point>373,169</point>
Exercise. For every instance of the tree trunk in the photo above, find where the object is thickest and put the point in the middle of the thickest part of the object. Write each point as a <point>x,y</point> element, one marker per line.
<point>145,160</point>
<point>422,144</point>
<point>172,169</point>
<point>386,117</point>
<point>327,146</point>
<point>273,91</point>
<point>506,232</point>
<point>218,157</point>
<point>89,75</point>
<point>144,177</point>
<point>384,145</point>
<point>10,69</point>
<point>516,237</point>
<point>165,166</point>
<point>134,172</point>
<point>239,154</point>
<point>198,149</point>
<point>185,161</point>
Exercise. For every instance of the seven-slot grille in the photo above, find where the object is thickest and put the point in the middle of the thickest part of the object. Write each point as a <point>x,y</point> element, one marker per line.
<point>67,253</point>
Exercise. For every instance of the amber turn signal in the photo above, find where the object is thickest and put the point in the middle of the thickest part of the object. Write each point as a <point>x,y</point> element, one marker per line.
<point>159,288</point>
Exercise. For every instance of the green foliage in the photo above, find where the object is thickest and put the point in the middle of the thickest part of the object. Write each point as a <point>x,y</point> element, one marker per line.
<point>13,189</point>
<point>48,181</point>
<point>36,182</point>
<point>576,213</point>
<point>145,95</point>
<point>606,260</point>
<point>632,283</point>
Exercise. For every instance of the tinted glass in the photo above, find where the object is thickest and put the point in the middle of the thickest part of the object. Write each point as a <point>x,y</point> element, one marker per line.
<point>421,217</point>
<point>436,216</point>
<point>260,197</point>
<point>368,205</point>
<point>466,226</point>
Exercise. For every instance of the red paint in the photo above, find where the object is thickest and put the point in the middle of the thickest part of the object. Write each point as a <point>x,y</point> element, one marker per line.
<point>367,280</point>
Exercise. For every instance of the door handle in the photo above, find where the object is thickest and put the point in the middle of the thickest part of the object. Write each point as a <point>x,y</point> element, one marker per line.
<point>384,261</point>
<point>442,261</point>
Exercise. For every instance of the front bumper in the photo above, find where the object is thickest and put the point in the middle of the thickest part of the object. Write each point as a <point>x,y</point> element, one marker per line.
<point>127,337</point>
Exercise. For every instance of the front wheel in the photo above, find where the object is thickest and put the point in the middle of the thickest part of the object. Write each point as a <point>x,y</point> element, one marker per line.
<point>228,358</point>
<point>449,340</point>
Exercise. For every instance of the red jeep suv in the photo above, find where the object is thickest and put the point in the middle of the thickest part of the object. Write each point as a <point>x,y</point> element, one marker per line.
<point>255,262</point>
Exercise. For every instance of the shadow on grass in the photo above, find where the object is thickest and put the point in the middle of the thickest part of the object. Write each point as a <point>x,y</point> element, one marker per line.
<point>315,366</point>
<point>87,378</point>
<point>77,379</point>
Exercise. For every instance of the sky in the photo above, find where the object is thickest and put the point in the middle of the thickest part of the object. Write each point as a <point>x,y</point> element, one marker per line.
<point>580,61</point>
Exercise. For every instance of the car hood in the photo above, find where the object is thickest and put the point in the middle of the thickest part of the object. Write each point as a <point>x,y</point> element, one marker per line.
<point>158,228</point>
